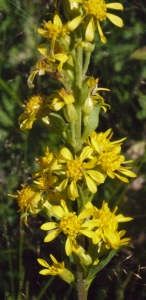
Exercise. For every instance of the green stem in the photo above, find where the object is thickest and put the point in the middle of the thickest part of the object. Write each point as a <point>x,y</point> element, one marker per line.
<point>11,271</point>
<point>86,64</point>
<point>21,274</point>
<point>78,87</point>
<point>72,127</point>
<point>81,287</point>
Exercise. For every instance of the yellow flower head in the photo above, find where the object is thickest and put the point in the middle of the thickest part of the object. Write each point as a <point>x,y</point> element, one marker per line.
<point>107,223</point>
<point>27,199</point>
<point>113,239</point>
<point>46,64</point>
<point>96,12</point>
<point>33,110</point>
<point>47,160</point>
<point>100,142</point>
<point>59,99</point>
<point>112,162</point>
<point>109,159</point>
<point>70,224</point>
<point>75,169</point>
<point>46,181</point>
<point>56,269</point>
<point>93,84</point>
<point>55,30</point>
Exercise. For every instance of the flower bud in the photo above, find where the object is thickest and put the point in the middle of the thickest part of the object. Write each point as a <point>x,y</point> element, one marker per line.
<point>70,112</point>
<point>67,276</point>
<point>88,106</point>
<point>88,47</point>
<point>82,254</point>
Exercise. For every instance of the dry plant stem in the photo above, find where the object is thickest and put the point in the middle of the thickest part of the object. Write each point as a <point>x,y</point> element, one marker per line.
<point>81,287</point>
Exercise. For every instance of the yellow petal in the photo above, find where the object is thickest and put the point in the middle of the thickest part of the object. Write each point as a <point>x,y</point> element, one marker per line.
<point>88,233</point>
<point>57,211</point>
<point>73,191</point>
<point>127,172</point>
<point>86,213</point>
<point>97,176</point>
<point>69,99</point>
<point>62,185</point>
<point>42,49</point>
<point>86,153</point>
<point>90,30</point>
<point>72,25</point>
<point>52,235</point>
<point>115,19</point>
<point>49,226</point>
<point>65,152</point>
<point>91,184</point>
<point>43,263</point>
<point>61,57</point>
<point>68,246</point>
<point>103,38</point>
<point>57,21</point>
<point>115,5</point>
<point>121,218</point>
<point>122,178</point>
<point>44,272</point>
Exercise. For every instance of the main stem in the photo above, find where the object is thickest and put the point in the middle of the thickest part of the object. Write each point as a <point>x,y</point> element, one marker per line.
<point>81,287</point>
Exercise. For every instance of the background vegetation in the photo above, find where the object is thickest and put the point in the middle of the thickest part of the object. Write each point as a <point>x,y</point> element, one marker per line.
<point>125,277</point>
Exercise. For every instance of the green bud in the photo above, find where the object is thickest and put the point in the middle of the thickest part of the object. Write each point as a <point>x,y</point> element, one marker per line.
<point>88,106</point>
<point>67,276</point>
<point>88,47</point>
<point>84,257</point>
<point>70,112</point>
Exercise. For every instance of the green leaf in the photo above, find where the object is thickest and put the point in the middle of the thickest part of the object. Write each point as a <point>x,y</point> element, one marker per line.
<point>92,121</point>
<point>139,54</point>
<point>95,269</point>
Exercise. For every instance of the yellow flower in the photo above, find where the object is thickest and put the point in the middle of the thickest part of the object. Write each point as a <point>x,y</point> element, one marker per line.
<point>27,199</point>
<point>75,170</point>
<point>109,159</point>
<point>47,160</point>
<point>33,110</point>
<point>70,224</point>
<point>56,269</point>
<point>100,142</point>
<point>94,89</point>
<point>59,99</point>
<point>107,223</point>
<point>46,181</point>
<point>47,64</point>
<point>55,30</point>
<point>96,12</point>
<point>112,162</point>
<point>113,239</point>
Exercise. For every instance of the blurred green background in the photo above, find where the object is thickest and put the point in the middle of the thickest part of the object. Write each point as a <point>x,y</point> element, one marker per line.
<point>125,277</point>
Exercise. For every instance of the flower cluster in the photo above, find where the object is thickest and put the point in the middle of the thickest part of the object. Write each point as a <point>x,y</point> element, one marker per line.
<point>66,181</point>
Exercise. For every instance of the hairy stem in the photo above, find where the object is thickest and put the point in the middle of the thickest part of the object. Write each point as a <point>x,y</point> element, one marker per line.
<point>81,287</point>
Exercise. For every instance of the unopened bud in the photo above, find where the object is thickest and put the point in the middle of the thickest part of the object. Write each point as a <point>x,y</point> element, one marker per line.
<point>70,112</point>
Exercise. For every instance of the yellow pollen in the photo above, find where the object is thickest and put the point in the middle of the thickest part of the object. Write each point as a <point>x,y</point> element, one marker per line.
<point>25,196</point>
<point>74,169</point>
<point>95,8</point>
<point>53,30</point>
<point>70,224</point>
<point>107,218</point>
<point>110,161</point>
<point>34,103</point>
